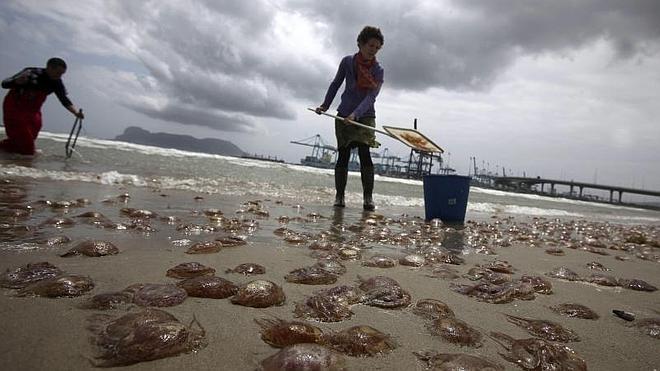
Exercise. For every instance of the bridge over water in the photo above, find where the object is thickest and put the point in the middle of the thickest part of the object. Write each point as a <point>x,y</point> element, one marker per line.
<point>521,183</point>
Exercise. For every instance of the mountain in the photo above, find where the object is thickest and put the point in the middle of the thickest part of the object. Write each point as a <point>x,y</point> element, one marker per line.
<point>137,135</point>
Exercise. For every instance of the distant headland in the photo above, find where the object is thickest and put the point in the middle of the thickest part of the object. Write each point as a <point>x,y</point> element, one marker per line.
<point>138,135</point>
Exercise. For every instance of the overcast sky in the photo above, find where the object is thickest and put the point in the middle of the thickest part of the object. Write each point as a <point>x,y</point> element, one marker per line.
<point>561,89</point>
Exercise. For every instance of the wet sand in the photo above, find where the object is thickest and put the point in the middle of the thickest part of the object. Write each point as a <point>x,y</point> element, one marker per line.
<point>42,333</point>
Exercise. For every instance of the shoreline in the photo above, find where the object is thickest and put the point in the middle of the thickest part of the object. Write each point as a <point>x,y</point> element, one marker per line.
<point>50,333</point>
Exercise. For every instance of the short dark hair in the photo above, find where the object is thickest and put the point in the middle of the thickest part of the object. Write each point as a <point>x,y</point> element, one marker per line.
<point>369,32</point>
<point>56,62</point>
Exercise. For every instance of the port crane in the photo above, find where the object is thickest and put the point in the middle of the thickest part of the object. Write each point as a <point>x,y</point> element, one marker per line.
<point>418,164</point>
<point>319,147</point>
<point>322,153</point>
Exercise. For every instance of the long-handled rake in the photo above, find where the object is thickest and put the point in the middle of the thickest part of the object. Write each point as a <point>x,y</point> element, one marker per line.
<point>70,146</point>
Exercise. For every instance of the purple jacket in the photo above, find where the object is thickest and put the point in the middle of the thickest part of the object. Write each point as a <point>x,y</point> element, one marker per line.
<point>354,100</point>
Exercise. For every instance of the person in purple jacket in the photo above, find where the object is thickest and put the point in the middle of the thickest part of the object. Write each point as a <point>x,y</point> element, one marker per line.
<point>364,77</point>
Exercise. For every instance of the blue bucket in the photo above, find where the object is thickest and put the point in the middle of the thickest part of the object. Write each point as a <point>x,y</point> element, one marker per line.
<point>446,197</point>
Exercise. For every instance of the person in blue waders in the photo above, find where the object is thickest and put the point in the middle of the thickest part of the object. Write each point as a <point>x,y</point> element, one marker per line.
<point>21,108</point>
<point>364,77</point>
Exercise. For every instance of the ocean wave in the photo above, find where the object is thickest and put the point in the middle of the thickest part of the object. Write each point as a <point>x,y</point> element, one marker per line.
<point>508,201</point>
<point>388,200</point>
<point>478,207</point>
<point>126,146</point>
<point>170,152</point>
<point>634,219</point>
<point>236,187</point>
<point>110,177</point>
<point>159,151</point>
<point>226,186</point>
<point>491,208</point>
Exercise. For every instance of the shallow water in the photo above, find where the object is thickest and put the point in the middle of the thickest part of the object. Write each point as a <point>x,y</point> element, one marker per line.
<point>116,163</point>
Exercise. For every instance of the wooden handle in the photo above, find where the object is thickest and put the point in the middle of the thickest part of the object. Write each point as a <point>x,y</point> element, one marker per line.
<point>354,123</point>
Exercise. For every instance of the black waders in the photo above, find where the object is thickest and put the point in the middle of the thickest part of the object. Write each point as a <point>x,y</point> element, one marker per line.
<point>341,176</point>
<point>367,175</point>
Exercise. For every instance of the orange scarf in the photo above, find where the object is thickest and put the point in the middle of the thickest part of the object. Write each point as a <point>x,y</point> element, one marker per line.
<point>365,80</point>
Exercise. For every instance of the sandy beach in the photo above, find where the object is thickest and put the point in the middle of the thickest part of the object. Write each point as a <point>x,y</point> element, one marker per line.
<point>44,333</point>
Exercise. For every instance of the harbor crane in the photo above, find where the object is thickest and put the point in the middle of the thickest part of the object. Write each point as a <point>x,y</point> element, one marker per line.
<point>322,153</point>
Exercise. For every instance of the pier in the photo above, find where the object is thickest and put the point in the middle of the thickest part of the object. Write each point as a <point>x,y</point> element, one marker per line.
<point>523,183</point>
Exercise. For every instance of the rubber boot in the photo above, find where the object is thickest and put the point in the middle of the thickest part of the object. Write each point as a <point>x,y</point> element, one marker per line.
<point>341,176</point>
<point>367,174</point>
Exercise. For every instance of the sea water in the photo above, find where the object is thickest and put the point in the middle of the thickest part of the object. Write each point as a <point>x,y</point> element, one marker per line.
<point>108,162</point>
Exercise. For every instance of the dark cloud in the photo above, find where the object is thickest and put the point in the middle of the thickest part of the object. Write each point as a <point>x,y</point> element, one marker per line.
<point>221,56</point>
<point>195,116</point>
<point>232,59</point>
<point>466,44</point>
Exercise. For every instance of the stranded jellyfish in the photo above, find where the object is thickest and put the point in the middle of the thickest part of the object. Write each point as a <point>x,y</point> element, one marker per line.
<point>500,266</point>
<point>304,357</point>
<point>444,272</point>
<point>27,274</point>
<point>61,286</point>
<point>487,275</point>
<point>575,310</point>
<point>564,274</point>
<point>92,248</point>
<point>157,295</point>
<point>208,287</point>
<point>497,294</point>
<point>91,214</point>
<point>324,308</point>
<point>636,284</point>
<point>344,293</point>
<point>280,333</point>
<point>360,341</point>
<point>432,309</point>
<point>108,300</point>
<point>259,294</point>
<point>248,269</point>
<point>547,330</point>
<point>331,265</point>
<point>538,354</point>
<point>440,255</point>
<point>379,261</point>
<point>457,361</point>
<point>413,260</point>
<point>602,279</point>
<point>138,213</point>
<point>54,240</point>
<point>555,251</point>
<point>95,218</point>
<point>597,266</point>
<point>649,326</point>
<point>58,222</point>
<point>204,247</point>
<point>322,245</point>
<point>540,284</point>
<point>383,292</point>
<point>231,241</point>
<point>143,336</point>
<point>189,270</point>
<point>455,331</point>
<point>313,275</point>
